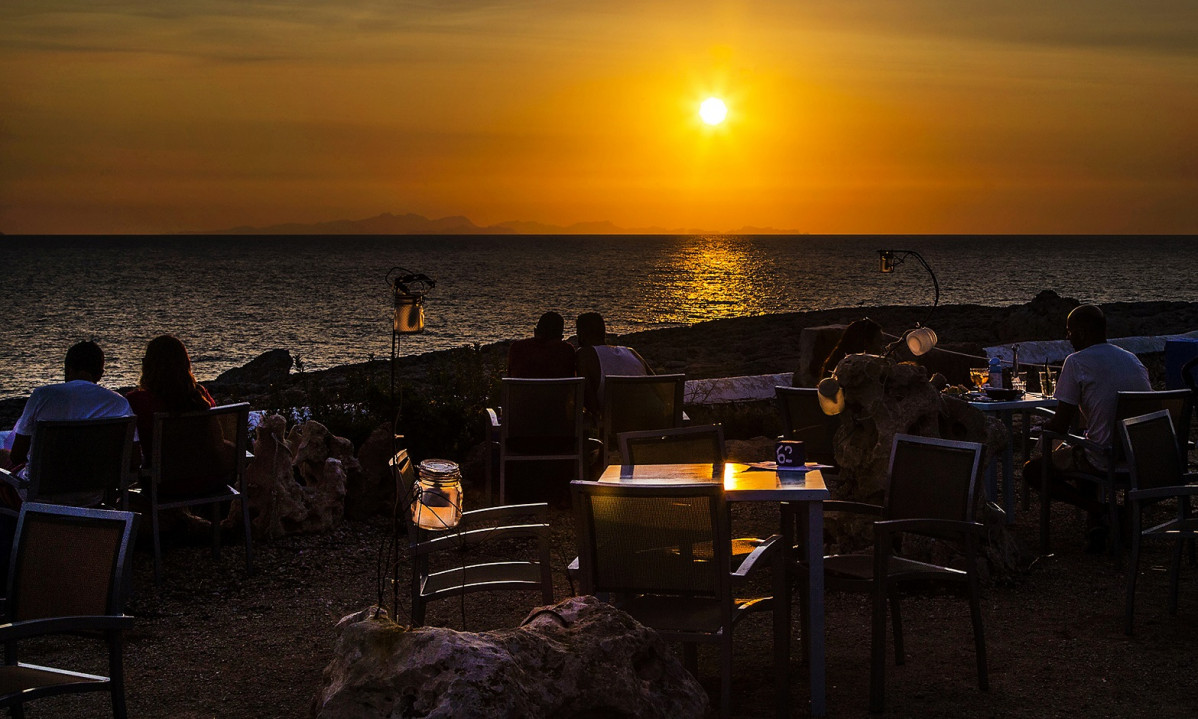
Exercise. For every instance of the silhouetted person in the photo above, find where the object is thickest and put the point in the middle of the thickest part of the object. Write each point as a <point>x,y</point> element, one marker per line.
<point>1088,387</point>
<point>166,385</point>
<point>597,360</point>
<point>545,355</point>
<point>79,397</point>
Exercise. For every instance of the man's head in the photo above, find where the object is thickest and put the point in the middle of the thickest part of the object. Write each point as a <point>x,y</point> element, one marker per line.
<point>591,329</point>
<point>1085,326</point>
<point>85,361</point>
<point>549,327</point>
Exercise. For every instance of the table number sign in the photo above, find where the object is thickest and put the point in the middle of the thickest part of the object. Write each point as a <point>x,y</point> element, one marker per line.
<point>790,453</point>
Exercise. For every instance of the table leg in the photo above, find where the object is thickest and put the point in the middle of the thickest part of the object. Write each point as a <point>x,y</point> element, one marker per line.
<point>813,620</point>
<point>1008,469</point>
<point>782,583</point>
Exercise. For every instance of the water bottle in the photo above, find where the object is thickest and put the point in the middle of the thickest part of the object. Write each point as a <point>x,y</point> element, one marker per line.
<point>995,372</point>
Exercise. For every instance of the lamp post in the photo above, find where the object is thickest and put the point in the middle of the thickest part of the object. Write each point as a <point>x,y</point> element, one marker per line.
<point>407,291</point>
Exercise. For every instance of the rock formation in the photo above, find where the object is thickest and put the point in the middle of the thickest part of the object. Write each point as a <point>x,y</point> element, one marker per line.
<point>580,658</point>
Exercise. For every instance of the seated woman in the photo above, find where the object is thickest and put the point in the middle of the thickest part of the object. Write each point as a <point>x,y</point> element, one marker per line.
<point>166,385</point>
<point>863,335</point>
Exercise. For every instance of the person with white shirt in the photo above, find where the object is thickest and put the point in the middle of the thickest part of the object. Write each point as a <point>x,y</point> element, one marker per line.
<point>1088,388</point>
<point>79,397</point>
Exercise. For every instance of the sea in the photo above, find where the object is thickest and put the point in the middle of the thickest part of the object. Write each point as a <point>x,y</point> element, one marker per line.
<point>328,301</point>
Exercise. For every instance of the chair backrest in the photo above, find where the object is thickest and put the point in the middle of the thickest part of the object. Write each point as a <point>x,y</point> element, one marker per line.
<point>703,443</point>
<point>931,478</point>
<point>69,561</point>
<point>1136,404</point>
<point>632,404</point>
<point>668,539</point>
<point>542,413</point>
<point>75,456</point>
<point>1152,457</point>
<point>202,449</point>
<point>802,419</point>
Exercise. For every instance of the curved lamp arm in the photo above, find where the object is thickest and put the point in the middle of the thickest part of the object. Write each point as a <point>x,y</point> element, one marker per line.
<point>889,259</point>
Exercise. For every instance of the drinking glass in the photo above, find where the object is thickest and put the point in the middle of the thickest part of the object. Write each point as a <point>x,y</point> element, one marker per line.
<point>1046,383</point>
<point>1019,381</point>
<point>979,377</point>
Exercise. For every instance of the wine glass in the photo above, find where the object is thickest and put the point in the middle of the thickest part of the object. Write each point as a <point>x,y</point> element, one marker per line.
<point>979,376</point>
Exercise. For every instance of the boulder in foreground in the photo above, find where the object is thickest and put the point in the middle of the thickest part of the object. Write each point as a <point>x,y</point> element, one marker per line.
<point>579,658</point>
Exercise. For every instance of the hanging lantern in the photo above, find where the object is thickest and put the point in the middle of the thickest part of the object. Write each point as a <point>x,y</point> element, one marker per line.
<point>921,340</point>
<point>408,289</point>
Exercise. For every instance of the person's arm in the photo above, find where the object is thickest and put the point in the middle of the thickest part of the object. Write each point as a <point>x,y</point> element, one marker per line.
<point>20,450</point>
<point>648,369</point>
<point>588,368</point>
<point>1062,420</point>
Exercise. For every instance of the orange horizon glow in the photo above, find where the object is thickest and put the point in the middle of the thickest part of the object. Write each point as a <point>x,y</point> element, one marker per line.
<point>863,119</point>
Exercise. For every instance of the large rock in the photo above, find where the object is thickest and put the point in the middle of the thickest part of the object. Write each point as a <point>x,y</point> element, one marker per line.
<point>279,504</point>
<point>580,658</point>
<point>262,372</point>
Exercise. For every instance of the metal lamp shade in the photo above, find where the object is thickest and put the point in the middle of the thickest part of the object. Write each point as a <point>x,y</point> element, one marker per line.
<point>921,341</point>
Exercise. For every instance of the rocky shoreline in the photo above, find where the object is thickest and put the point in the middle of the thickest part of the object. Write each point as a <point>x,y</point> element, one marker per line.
<point>721,348</point>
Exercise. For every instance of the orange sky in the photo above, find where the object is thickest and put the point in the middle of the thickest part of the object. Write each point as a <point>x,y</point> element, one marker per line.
<point>844,117</point>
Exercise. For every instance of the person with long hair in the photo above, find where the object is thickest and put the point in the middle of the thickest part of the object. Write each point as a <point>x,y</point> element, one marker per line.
<point>863,335</point>
<point>166,385</point>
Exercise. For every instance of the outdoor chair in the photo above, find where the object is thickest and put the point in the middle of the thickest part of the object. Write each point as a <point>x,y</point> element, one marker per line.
<point>480,534</point>
<point>661,552</point>
<point>1157,473</point>
<point>68,577</point>
<point>541,424</point>
<point>679,445</point>
<point>1129,404</point>
<point>930,492</point>
<point>82,462</point>
<point>205,450</point>
<point>632,404</point>
<point>802,419</point>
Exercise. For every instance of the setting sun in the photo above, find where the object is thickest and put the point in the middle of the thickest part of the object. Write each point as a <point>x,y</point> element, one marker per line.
<point>713,111</point>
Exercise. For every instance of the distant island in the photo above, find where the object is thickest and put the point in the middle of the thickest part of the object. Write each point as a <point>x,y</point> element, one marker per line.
<point>412,224</point>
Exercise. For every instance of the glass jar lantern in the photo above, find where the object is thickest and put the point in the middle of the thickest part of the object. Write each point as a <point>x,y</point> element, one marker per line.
<point>437,495</point>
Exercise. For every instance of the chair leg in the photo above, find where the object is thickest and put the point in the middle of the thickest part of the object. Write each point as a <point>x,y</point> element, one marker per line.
<point>17,711</point>
<point>1045,498</point>
<point>896,620</point>
<point>1116,534</point>
<point>157,543</point>
<point>690,658</point>
<point>726,677</point>
<point>215,519</point>
<point>116,675</point>
<point>979,635</point>
<point>877,658</point>
<point>1133,573</point>
<point>1174,576</point>
<point>249,536</point>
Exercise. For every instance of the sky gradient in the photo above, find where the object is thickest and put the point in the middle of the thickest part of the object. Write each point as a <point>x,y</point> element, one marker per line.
<point>922,116</point>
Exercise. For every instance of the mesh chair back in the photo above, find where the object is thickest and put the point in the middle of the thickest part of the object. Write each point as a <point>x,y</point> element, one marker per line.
<point>1152,455</point>
<point>68,561</point>
<point>802,419</point>
<point>542,415</point>
<point>1136,404</point>
<point>652,539</point>
<point>71,456</point>
<point>681,445</point>
<point>632,404</point>
<point>200,451</point>
<point>932,478</point>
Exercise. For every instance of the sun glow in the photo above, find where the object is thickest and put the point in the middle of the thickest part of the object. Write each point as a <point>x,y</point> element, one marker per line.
<point>713,111</point>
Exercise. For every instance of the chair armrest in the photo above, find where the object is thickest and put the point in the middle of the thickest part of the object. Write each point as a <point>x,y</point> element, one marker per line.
<point>761,553</point>
<point>62,625</point>
<point>1077,440</point>
<point>840,505</point>
<point>1045,412</point>
<point>14,479</point>
<point>933,527</point>
<point>1189,490</point>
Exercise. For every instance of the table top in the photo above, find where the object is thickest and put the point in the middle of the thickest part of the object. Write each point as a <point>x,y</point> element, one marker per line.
<point>742,483</point>
<point>1029,400</point>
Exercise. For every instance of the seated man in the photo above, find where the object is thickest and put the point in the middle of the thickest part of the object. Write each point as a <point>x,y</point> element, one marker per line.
<point>79,397</point>
<point>1090,381</point>
<point>545,355</point>
<point>598,360</point>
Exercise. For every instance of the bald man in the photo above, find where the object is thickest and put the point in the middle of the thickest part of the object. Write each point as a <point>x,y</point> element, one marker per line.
<point>1091,379</point>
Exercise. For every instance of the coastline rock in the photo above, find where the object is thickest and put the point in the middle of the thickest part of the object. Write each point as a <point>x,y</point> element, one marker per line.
<point>267,369</point>
<point>579,658</point>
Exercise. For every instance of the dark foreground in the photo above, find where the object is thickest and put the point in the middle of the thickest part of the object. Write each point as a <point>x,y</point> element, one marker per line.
<point>214,643</point>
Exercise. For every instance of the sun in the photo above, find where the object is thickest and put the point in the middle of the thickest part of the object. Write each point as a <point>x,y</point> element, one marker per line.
<point>713,111</point>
